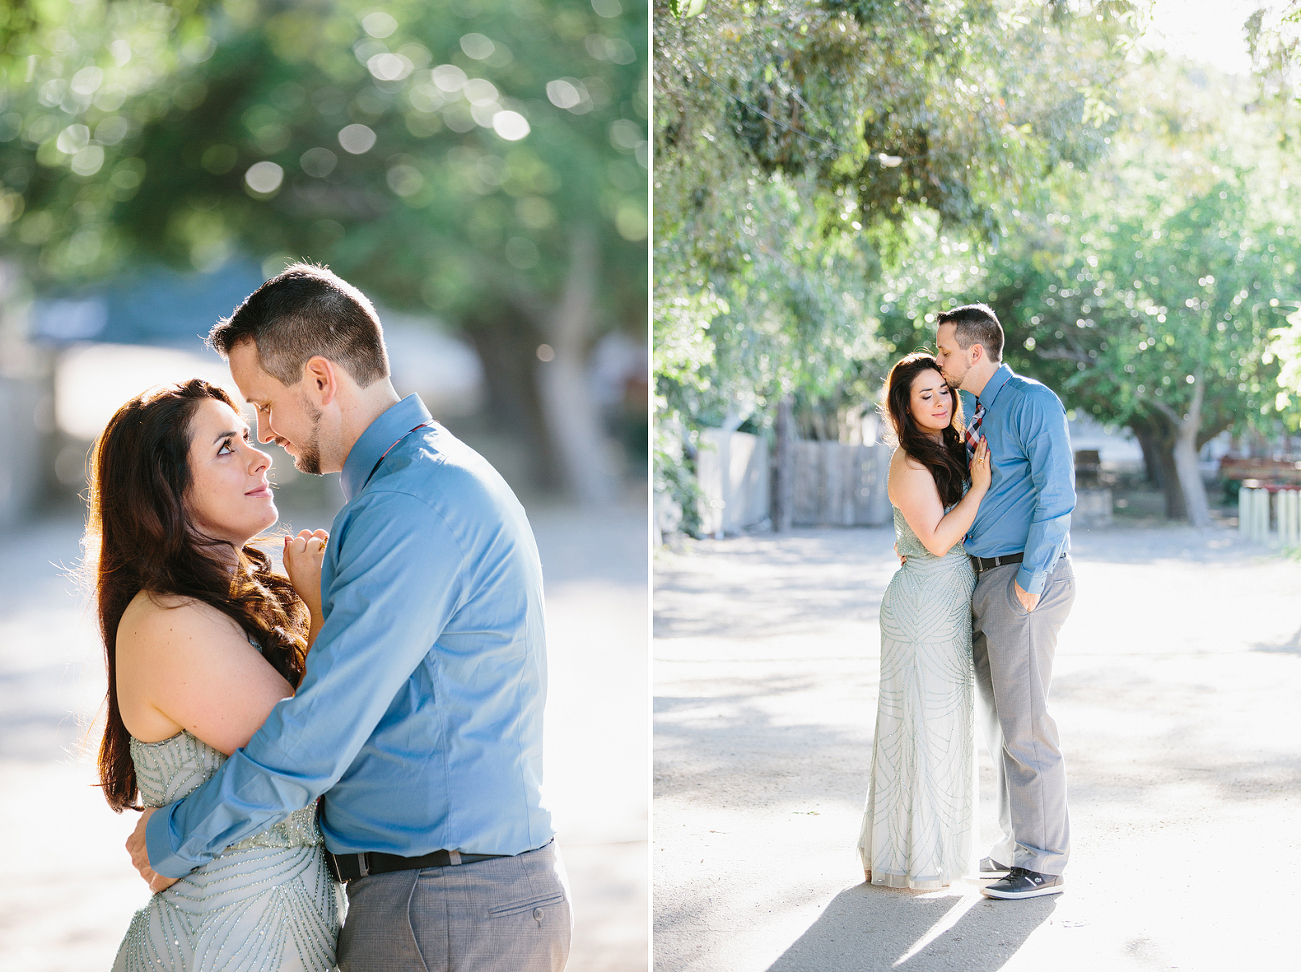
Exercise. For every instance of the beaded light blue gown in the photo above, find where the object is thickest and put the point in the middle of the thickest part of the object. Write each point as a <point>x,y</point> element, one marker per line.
<point>919,827</point>
<point>267,904</point>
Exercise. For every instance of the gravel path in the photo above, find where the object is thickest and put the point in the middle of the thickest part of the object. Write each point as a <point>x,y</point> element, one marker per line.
<point>1176,692</point>
<point>71,891</point>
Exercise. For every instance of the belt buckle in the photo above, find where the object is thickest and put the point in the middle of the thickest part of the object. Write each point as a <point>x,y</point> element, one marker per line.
<point>335,863</point>
<point>332,863</point>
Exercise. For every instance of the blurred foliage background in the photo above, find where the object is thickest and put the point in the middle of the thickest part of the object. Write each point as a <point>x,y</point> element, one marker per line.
<point>829,175</point>
<point>483,162</point>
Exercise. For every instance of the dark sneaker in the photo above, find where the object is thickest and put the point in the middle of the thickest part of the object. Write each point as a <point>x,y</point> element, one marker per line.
<point>990,868</point>
<point>1021,883</point>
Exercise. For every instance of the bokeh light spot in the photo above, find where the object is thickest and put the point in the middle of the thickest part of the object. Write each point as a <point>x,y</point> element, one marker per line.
<point>264,177</point>
<point>510,125</point>
<point>356,139</point>
<point>477,46</point>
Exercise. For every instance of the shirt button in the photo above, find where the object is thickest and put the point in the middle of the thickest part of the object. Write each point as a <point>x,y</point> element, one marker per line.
<point>537,913</point>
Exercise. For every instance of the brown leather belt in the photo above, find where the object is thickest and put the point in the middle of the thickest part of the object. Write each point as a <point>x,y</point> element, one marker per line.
<point>348,867</point>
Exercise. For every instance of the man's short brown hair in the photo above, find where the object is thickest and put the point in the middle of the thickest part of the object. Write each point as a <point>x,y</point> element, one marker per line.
<point>303,312</point>
<point>976,324</point>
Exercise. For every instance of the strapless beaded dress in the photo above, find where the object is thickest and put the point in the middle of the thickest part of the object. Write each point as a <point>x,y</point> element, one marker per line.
<point>267,904</point>
<point>919,826</point>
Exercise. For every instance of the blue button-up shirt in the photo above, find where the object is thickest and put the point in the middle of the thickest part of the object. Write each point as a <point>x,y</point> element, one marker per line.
<point>1032,493</point>
<point>419,718</point>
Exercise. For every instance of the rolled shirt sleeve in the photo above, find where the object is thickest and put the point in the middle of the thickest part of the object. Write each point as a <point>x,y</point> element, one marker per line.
<point>1045,441</point>
<point>394,552</point>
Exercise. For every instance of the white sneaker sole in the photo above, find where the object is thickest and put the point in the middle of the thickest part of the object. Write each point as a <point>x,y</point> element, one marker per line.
<point>1014,895</point>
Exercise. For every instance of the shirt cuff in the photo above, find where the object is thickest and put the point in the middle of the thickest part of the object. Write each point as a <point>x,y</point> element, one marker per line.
<point>1031,583</point>
<point>158,842</point>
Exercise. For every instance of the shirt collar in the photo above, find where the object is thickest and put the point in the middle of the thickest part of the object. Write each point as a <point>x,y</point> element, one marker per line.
<point>380,436</point>
<point>995,384</point>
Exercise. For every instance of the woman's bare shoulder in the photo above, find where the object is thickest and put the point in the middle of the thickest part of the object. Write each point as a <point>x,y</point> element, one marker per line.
<point>186,664</point>
<point>901,463</point>
<point>907,478</point>
<point>152,617</point>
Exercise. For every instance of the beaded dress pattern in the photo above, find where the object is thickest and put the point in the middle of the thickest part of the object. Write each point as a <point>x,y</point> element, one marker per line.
<point>919,827</point>
<point>267,904</point>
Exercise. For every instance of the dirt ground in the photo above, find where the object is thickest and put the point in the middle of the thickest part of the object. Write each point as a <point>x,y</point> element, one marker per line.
<point>71,890</point>
<point>1176,692</point>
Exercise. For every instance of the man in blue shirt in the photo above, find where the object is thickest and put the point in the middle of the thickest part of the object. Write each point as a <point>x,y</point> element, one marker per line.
<point>1024,590</point>
<point>419,718</point>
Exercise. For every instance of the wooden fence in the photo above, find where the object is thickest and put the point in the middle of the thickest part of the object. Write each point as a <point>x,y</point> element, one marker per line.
<point>1270,514</point>
<point>831,484</point>
<point>840,485</point>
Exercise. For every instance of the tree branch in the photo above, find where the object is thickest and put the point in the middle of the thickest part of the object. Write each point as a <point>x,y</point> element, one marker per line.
<point>1165,410</point>
<point>1194,416</point>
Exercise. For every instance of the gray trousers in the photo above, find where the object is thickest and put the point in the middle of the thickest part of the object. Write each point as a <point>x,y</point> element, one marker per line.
<point>1013,655</point>
<point>510,914</point>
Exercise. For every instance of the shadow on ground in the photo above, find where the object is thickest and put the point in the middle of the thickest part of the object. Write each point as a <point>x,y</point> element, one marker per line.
<point>867,928</point>
<point>779,584</point>
<point>808,574</point>
<point>1174,693</point>
<point>704,746</point>
<point>1159,541</point>
<point>1292,646</point>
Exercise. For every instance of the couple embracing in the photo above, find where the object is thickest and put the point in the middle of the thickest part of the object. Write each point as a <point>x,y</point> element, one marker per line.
<point>969,622</point>
<point>372,720</point>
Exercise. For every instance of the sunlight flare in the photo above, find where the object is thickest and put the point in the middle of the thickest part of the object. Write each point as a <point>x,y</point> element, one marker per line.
<point>951,917</point>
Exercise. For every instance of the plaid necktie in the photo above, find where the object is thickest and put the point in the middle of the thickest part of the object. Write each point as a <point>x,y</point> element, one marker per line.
<point>973,431</point>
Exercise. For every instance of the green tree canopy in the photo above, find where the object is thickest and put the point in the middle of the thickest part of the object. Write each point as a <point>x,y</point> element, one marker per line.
<point>1149,295</point>
<point>485,159</point>
<point>798,146</point>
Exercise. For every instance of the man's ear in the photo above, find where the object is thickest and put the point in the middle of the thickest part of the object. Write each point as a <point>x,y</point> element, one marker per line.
<point>320,380</point>
<point>977,353</point>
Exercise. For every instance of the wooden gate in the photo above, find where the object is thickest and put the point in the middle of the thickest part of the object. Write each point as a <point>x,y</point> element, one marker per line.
<point>840,485</point>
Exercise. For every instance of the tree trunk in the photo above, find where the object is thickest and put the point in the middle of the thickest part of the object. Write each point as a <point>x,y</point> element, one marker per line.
<point>29,438</point>
<point>1148,436</point>
<point>507,349</point>
<point>1190,478</point>
<point>577,449</point>
<point>586,459</point>
<point>1184,451</point>
<point>1176,508</point>
<point>783,466</point>
<point>1156,436</point>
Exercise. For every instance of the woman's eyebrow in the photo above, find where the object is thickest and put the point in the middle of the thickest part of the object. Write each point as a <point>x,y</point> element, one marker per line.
<point>222,436</point>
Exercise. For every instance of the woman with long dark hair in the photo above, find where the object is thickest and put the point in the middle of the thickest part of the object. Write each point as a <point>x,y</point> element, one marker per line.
<point>919,827</point>
<point>201,639</point>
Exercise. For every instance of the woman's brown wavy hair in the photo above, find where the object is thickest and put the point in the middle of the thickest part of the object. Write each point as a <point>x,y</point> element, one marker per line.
<point>947,462</point>
<point>140,537</point>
